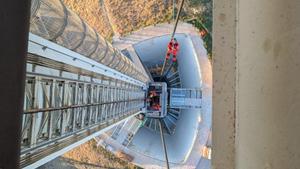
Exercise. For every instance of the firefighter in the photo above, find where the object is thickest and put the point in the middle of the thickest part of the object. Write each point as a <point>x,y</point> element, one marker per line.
<point>170,45</point>
<point>155,106</point>
<point>175,50</point>
<point>170,48</point>
<point>176,44</point>
<point>168,55</point>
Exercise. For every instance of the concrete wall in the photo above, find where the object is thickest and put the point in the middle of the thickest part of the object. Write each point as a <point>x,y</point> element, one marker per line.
<point>256,68</point>
<point>182,141</point>
<point>224,60</point>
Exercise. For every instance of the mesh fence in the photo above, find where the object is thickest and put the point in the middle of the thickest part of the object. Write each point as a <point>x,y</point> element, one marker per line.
<point>52,20</point>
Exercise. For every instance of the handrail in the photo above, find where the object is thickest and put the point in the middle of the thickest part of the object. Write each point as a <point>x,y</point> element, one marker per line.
<point>32,111</point>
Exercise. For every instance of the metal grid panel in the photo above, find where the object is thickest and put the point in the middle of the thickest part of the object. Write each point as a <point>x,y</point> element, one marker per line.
<point>54,107</point>
<point>90,42</point>
<point>74,32</point>
<point>100,52</point>
<point>109,56</point>
<point>185,98</point>
<point>51,20</point>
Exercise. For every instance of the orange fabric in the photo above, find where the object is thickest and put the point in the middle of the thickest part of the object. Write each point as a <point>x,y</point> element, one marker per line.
<point>156,107</point>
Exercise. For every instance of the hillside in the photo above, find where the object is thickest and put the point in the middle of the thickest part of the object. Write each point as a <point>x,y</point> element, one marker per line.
<point>127,16</point>
<point>92,13</point>
<point>88,156</point>
<point>115,17</point>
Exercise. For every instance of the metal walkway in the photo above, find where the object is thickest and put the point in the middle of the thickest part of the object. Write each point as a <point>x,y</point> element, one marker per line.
<point>77,85</point>
<point>66,104</point>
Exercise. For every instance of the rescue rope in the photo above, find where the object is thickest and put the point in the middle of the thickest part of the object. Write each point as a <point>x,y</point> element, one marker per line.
<point>172,36</point>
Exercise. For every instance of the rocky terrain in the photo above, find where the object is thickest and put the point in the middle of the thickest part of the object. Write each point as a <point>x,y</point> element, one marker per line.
<point>115,17</point>
<point>88,156</point>
<point>127,16</point>
<point>92,12</point>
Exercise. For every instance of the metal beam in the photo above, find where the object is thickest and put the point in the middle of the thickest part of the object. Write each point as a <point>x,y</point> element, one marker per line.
<point>58,149</point>
<point>44,48</point>
<point>58,110</point>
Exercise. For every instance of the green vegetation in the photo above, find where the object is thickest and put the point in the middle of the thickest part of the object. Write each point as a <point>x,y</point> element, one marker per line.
<point>207,38</point>
<point>199,13</point>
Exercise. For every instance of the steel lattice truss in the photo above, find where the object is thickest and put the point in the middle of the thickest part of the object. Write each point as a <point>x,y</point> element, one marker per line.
<point>77,84</point>
<point>56,108</point>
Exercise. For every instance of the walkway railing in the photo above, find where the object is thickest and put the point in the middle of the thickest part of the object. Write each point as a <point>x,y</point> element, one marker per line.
<point>59,110</point>
<point>76,87</point>
<point>52,20</point>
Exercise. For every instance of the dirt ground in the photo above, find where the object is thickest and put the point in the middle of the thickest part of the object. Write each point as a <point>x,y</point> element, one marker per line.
<point>119,17</point>
<point>92,13</point>
<point>130,15</point>
<point>88,156</point>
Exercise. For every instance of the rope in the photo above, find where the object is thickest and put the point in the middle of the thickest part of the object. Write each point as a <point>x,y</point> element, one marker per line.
<point>163,143</point>
<point>173,33</point>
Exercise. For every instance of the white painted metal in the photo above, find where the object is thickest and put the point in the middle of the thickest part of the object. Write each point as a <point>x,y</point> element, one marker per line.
<point>193,126</point>
<point>70,147</point>
<point>60,104</point>
<point>183,98</point>
<point>44,48</point>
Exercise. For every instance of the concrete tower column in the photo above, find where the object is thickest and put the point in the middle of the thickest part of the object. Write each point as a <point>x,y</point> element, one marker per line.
<point>256,97</point>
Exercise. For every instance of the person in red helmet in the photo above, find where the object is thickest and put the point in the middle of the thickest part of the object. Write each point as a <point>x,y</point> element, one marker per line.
<point>174,53</point>
<point>155,106</point>
<point>173,47</point>
<point>170,45</point>
<point>176,44</point>
<point>170,48</point>
<point>152,94</point>
<point>175,50</point>
<point>168,56</point>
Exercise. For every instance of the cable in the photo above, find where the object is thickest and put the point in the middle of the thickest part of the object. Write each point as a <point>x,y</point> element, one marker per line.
<point>173,33</point>
<point>174,4</point>
<point>164,144</point>
<point>162,72</point>
<point>177,19</point>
